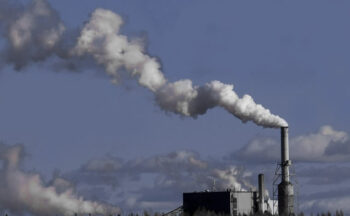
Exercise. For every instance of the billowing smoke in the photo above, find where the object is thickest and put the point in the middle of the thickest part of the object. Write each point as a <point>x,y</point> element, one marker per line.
<point>183,98</point>
<point>22,192</point>
<point>32,32</point>
<point>36,32</point>
<point>100,38</point>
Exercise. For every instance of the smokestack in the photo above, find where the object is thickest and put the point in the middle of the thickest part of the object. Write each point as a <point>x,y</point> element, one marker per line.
<point>285,162</point>
<point>261,193</point>
<point>285,188</point>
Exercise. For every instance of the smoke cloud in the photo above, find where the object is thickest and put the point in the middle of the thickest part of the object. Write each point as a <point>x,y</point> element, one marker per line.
<point>22,192</point>
<point>100,38</point>
<point>158,181</point>
<point>183,98</point>
<point>32,32</point>
<point>180,167</point>
<point>35,32</point>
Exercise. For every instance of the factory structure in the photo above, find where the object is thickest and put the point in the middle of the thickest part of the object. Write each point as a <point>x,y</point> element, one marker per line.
<point>285,188</point>
<point>234,203</point>
<point>229,202</point>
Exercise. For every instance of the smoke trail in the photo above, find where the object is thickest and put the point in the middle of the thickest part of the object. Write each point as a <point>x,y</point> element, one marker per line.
<point>23,192</point>
<point>36,32</point>
<point>33,32</point>
<point>183,98</point>
<point>100,38</point>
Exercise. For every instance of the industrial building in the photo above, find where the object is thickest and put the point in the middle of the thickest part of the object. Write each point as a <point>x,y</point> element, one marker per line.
<point>234,203</point>
<point>221,202</point>
<point>229,202</point>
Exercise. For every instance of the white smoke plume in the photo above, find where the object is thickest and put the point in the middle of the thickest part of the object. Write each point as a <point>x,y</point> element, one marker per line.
<point>101,39</point>
<point>32,32</point>
<point>35,32</point>
<point>22,192</point>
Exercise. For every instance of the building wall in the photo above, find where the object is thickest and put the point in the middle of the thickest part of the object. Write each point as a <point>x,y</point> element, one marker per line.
<point>225,202</point>
<point>245,202</point>
<point>218,202</point>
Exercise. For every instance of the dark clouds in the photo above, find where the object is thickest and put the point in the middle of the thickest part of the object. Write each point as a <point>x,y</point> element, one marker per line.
<point>160,180</point>
<point>324,175</point>
<point>157,182</point>
<point>174,168</point>
<point>332,184</point>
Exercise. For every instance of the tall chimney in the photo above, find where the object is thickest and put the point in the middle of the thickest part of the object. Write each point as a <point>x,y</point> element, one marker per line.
<point>285,162</point>
<point>261,193</point>
<point>285,188</point>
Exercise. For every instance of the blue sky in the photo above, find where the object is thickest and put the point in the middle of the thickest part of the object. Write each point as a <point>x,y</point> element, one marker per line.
<point>291,57</point>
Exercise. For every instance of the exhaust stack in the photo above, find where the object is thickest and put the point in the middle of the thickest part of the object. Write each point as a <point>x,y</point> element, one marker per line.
<point>285,162</point>
<point>261,193</point>
<point>285,188</point>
